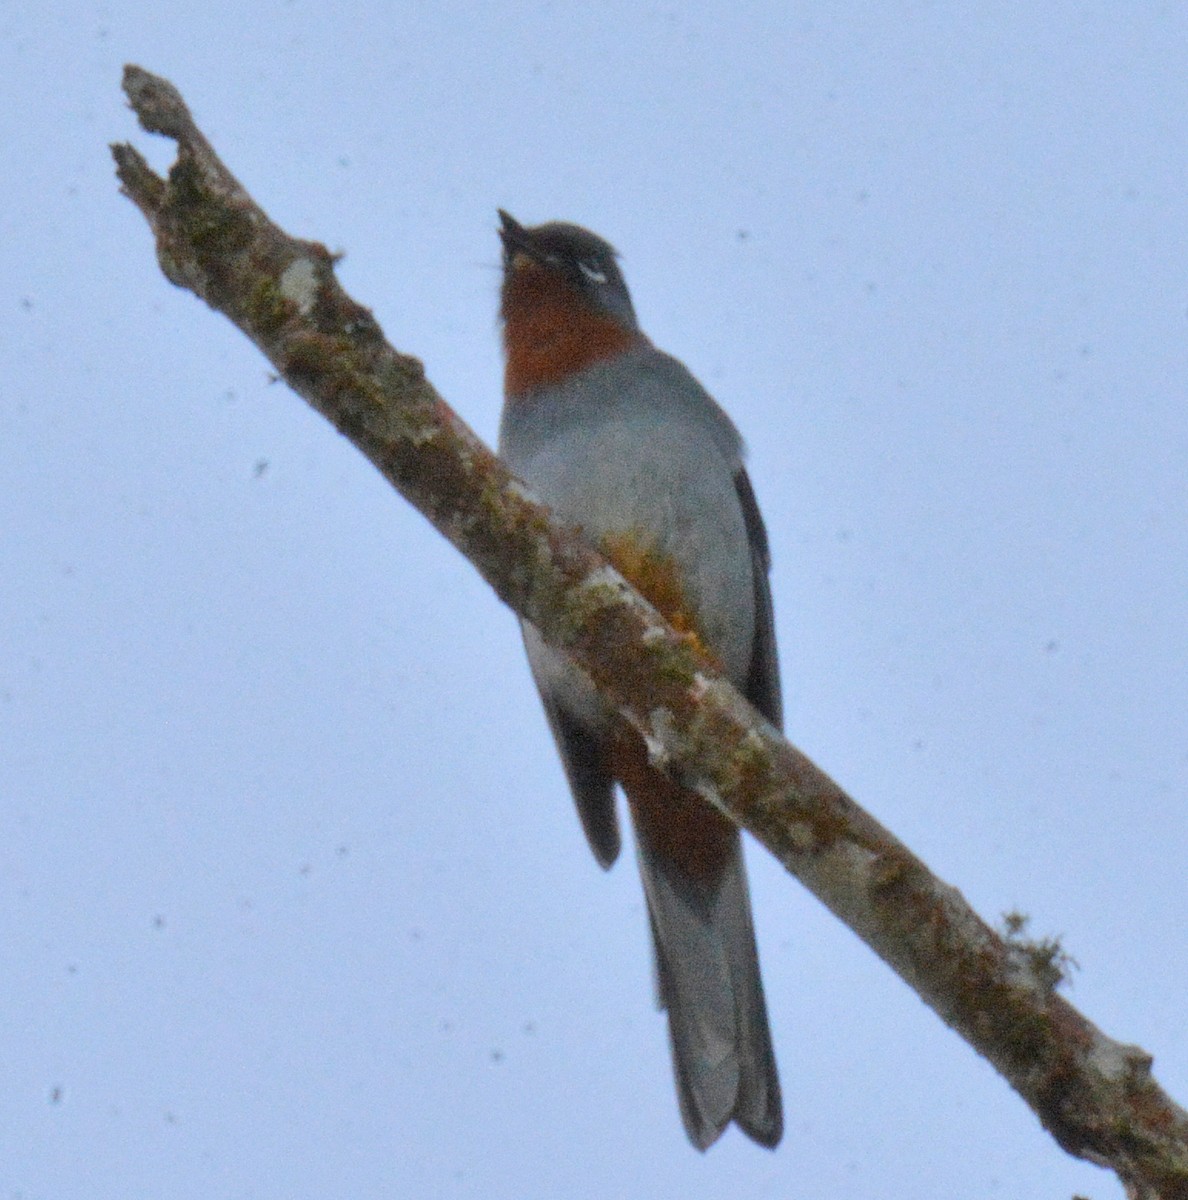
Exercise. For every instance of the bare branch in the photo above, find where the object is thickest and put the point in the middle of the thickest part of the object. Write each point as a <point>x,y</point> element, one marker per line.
<point>1095,1095</point>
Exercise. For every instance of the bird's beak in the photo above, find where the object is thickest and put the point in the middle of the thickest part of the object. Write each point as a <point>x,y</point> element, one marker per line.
<point>516,239</point>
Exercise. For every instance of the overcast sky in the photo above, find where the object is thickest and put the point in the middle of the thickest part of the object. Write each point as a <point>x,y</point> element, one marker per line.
<point>292,898</point>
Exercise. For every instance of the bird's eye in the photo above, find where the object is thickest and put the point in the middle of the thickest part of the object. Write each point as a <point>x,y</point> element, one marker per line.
<point>593,273</point>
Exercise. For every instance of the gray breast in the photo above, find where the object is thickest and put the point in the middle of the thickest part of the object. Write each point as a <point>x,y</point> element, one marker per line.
<point>637,445</point>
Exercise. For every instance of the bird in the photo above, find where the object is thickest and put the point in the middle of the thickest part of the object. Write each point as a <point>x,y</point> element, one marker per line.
<point>620,440</point>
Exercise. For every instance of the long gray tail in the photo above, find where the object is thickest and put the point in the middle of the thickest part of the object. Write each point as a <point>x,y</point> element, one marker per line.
<point>707,972</point>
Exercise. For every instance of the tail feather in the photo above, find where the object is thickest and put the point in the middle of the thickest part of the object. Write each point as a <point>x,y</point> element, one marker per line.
<point>708,980</point>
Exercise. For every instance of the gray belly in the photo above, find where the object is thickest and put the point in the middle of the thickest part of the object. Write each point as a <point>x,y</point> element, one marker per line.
<point>667,482</point>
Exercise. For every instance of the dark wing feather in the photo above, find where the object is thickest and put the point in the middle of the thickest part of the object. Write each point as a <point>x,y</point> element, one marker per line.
<point>763,678</point>
<point>590,781</point>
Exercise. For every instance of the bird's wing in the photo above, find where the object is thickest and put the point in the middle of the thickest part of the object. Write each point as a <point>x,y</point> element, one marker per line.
<point>762,688</point>
<point>583,754</point>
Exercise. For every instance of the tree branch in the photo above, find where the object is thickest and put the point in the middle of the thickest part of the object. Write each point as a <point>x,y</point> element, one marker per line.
<point>1095,1095</point>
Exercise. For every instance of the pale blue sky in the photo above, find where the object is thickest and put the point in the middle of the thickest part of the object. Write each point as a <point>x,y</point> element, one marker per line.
<point>292,898</point>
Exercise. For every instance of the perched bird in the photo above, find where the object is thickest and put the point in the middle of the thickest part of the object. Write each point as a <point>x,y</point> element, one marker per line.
<point>620,439</point>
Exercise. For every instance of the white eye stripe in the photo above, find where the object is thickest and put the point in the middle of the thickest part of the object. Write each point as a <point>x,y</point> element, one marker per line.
<point>591,272</point>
